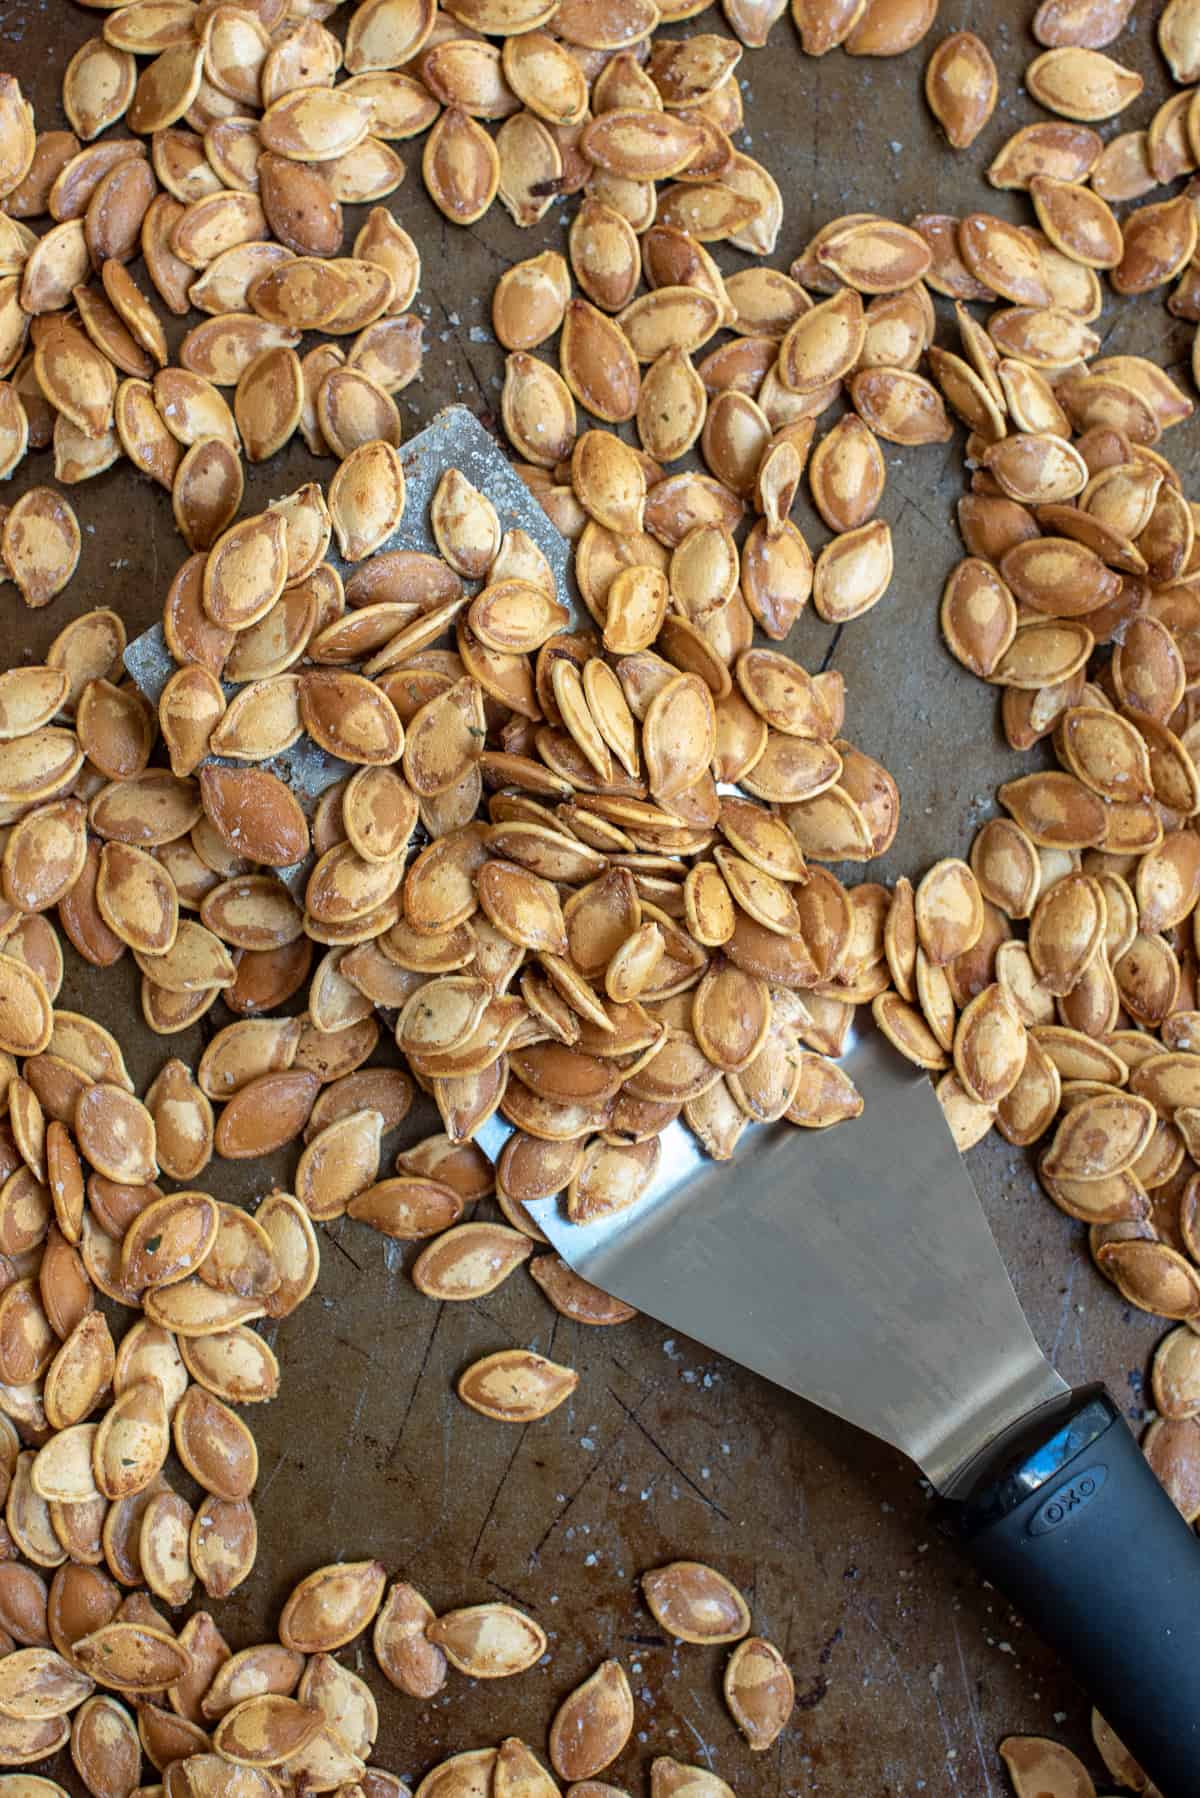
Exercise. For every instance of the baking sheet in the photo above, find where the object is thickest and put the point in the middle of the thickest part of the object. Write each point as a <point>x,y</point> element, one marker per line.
<point>907,1671</point>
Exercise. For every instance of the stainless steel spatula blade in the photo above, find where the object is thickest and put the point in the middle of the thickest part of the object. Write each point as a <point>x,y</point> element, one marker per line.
<point>852,1265</point>
<point>855,1267</point>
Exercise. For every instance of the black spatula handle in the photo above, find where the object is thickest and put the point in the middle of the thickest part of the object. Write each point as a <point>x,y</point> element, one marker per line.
<point>1065,1517</point>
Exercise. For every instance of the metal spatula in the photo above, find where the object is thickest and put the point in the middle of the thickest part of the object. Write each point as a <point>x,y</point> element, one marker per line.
<point>855,1267</point>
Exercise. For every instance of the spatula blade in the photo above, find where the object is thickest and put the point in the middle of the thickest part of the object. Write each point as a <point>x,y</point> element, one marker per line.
<point>853,1266</point>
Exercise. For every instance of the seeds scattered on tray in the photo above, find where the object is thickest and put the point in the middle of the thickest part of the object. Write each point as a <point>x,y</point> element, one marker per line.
<point>582,877</point>
<point>759,1691</point>
<point>695,1603</point>
<point>592,1724</point>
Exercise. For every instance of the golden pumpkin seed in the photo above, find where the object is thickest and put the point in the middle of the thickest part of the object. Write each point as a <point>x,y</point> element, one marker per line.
<point>488,1641</point>
<point>515,1386</point>
<point>1083,84</point>
<point>593,1724</point>
<point>695,1603</point>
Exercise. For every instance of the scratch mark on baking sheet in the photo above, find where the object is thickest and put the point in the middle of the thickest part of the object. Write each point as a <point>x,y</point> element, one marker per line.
<point>435,1522</point>
<point>356,1348</point>
<point>412,1397</point>
<point>489,249</point>
<point>655,1444</point>
<point>349,1445</point>
<point>566,1505</point>
<point>972,1712</point>
<point>940,526</point>
<point>862,1610</point>
<point>821,211</point>
<point>706,1753</point>
<point>601,1461</point>
<point>508,1466</point>
<point>951,1767</point>
<point>952,461</point>
<point>517,1598</point>
<point>336,1241</point>
<point>460,346</point>
<point>266,1485</point>
<point>1064,1316</point>
<point>1107,336</point>
<point>827,658</point>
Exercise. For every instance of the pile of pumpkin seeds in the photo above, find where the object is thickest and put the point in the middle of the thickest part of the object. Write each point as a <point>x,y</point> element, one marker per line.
<point>556,960</point>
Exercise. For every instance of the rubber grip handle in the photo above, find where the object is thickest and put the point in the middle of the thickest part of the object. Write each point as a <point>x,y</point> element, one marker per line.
<point>1065,1517</point>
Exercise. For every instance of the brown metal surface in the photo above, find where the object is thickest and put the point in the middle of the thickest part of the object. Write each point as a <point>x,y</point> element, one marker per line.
<point>907,1671</point>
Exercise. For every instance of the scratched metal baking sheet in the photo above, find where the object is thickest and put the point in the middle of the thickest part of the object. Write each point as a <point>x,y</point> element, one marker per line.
<point>454,439</point>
